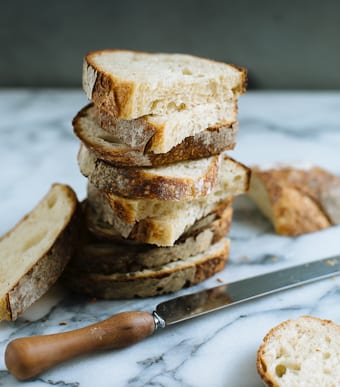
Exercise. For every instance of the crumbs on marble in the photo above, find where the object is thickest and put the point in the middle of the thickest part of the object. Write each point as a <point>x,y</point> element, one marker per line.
<point>219,280</point>
<point>63,323</point>
<point>331,262</point>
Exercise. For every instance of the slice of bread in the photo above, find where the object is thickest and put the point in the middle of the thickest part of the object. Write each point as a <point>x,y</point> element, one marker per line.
<point>159,134</point>
<point>167,278</point>
<point>130,146</point>
<point>296,200</point>
<point>185,180</point>
<point>35,252</point>
<point>106,257</point>
<point>130,84</point>
<point>161,222</point>
<point>101,229</point>
<point>301,352</point>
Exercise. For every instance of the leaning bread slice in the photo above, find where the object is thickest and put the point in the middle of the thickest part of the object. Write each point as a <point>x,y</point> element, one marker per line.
<point>185,180</point>
<point>159,134</point>
<point>161,222</point>
<point>131,84</point>
<point>129,146</point>
<point>301,352</point>
<point>167,278</point>
<point>35,252</point>
<point>106,257</point>
<point>296,200</point>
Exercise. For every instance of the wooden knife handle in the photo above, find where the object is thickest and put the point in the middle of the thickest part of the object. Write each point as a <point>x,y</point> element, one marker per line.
<point>29,356</point>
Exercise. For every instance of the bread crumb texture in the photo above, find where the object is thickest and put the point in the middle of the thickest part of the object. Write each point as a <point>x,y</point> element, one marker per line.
<point>134,84</point>
<point>34,253</point>
<point>301,352</point>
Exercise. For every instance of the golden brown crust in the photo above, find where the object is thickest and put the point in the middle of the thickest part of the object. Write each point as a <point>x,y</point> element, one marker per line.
<point>219,216</point>
<point>262,367</point>
<point>47,269</point>
<point>210,142</point>
<point>260,363</point>
<point>296,214</point>
<point>106,257</point>
<point>295,197</point>
<point>115,95</point>
<point>109,93</point>
<point>144,183</point>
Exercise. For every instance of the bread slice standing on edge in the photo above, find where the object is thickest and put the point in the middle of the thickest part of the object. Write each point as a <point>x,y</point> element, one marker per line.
<point>296,200</point>
<point>130,148</point>
<point>166,278</point>
<point>130,84</point>
<point>35,252</point>
<point>301,352</point>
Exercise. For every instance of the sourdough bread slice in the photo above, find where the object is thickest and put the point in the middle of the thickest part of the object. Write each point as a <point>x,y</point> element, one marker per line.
<point>103,230</point>
<point>106,257</point>
<point>127,147</point>
<point>296,200</point>
<point>159,134</point>
<point>167,278</point>
<point>162,222</point>
<point>185,180</point>
<point>301,352</point>
<point>130,84</point>
<point>35,252</point>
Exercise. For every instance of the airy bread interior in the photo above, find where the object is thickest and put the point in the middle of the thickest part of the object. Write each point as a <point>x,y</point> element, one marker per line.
<point>301,352</point>
<point>144,83</point>
<point>33,237</point>
<point>161,133</point>
<point>183,181</point>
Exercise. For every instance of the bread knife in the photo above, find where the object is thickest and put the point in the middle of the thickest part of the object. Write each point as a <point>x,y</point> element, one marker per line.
<point>29,356</point>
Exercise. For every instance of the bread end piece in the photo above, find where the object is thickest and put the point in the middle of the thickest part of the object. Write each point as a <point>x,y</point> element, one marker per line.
<point>34,253</point>
<point>301,352</point>
<point>296,200</point>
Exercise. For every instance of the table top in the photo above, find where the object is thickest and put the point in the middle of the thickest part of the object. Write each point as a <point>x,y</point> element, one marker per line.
<point>38,148</point>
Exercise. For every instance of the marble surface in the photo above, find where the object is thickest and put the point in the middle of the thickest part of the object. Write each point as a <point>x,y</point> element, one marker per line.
<point>38,148</point>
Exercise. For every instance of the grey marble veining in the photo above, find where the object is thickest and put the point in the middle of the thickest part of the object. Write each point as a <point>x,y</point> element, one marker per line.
<point>38,148</point>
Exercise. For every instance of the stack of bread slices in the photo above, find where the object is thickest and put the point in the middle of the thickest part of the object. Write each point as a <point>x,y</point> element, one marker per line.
<point>160,185</point>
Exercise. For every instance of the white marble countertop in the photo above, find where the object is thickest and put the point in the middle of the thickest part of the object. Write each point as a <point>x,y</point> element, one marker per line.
<point>38,148</point>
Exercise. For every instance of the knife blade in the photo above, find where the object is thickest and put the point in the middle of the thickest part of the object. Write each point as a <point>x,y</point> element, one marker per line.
<point>29,356</point>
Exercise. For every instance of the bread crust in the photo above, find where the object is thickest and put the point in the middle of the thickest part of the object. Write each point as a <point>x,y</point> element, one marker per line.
<point>106,256</point>
<point>296,197</point>
<point>117,96</point>
<point>165,279</point>
<point>120,216</point>
<point>211,141</point>
<point>277,333</point>
<point>147,134</point>
<point>144,183</point>
<point>47,269</point>
<point>157,183</point>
